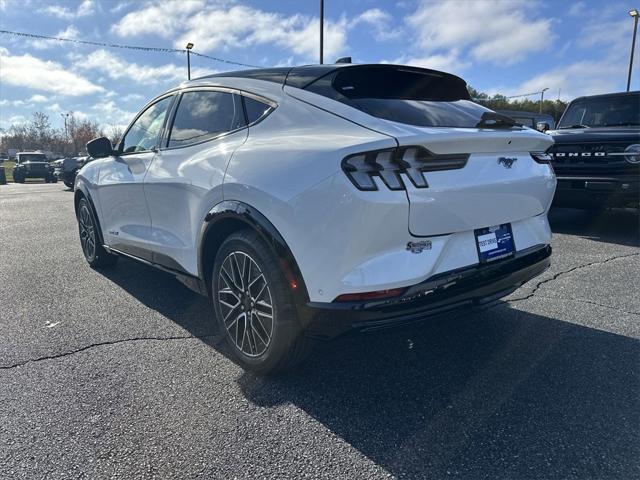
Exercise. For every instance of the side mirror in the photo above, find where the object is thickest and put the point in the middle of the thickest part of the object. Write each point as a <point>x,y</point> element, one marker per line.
<point>100,147</point>
<point>542,126</point>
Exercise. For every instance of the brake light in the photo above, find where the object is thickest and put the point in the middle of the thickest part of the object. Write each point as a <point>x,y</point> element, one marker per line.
<point>389,164</point>
<point>377,295</point>
<point>543,158</point>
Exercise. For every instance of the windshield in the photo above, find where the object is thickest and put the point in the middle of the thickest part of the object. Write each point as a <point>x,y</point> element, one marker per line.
<point>31,157</point>
<point>602,112</point>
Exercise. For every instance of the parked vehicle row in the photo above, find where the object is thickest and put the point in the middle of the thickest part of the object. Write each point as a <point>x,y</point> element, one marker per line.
<point>66,169</point>
<point>308,201</point>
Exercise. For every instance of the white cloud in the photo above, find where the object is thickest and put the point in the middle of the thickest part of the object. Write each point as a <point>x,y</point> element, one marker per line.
<point>159,18</point>
<point>31,72</point>
<point>54,107</point>
<point>38,99</point>
<point>116,68</point>
<point>222,27</point>
<point>448,62</point>
<point>381,22</point>
<point>84,9</point>
<point>41,44</point>
<point>493,31</point>
<point>575,79</point>
<point>108,112</point>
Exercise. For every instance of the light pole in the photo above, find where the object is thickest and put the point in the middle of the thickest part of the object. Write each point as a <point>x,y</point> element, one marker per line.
<point>542,97</point>
<point>321,31</point>
<point>189,47</point>
<point>634,14</point>
<point>66,133</point>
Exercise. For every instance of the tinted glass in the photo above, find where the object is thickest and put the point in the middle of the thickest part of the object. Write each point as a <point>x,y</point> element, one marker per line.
<point>255,109</point>
<point>143,134</point>
<point>31,157</point>
<point>461,113</point>
<point>603,112</point>
<point>405,95</point>
<point>204,115</point>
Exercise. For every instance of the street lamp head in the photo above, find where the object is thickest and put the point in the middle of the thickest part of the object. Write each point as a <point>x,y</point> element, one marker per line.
<point>189,46</point>
<point>633,13</point>
<point>545,89</point>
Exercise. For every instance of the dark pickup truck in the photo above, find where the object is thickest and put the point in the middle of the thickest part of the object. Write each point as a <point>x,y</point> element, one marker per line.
<point>596,155</point>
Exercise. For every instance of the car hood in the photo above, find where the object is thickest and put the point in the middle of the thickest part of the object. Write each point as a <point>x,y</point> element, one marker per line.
<point>34,163</point>
<point>603,134</point>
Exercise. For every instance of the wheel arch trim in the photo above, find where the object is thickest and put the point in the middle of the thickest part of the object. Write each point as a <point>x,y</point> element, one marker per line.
<point>255,220</point>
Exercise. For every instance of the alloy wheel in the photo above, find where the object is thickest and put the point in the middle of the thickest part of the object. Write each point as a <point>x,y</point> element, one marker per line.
<point>87,233</point>
<point>246,304</point>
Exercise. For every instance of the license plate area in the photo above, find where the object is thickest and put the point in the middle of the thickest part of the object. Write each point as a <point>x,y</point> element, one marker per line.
<point>494,243</point>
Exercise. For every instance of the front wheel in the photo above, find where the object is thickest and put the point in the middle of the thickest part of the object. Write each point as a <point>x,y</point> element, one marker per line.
<point>94,252</point>
<point>254,306</point>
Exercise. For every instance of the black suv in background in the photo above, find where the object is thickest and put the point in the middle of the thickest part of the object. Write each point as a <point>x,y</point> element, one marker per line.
<point>596,154</point>
<point>33,165</point>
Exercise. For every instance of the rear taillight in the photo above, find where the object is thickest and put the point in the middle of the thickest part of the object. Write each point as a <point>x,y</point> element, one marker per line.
<point>541,157</point>
<point>544,158</point>
<point>390,165</point>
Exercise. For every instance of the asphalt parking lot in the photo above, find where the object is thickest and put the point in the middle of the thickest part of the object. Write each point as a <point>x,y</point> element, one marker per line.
<point>121,374</point>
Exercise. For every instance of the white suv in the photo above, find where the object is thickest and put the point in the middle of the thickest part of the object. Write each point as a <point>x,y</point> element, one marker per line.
<point>307,201</point>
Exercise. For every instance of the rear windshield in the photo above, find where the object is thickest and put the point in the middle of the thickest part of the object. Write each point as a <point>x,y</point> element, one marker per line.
<point>602,112</point>
<point>31,157</point>
<point>418,97</point>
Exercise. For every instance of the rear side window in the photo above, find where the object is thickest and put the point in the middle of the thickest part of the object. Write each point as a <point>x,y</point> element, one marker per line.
<point>408,95</point>
<point>205,115</point>
<point>255,109</point>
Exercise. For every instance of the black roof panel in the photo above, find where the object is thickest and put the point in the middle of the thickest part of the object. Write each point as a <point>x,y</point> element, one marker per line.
<point>302,76</point>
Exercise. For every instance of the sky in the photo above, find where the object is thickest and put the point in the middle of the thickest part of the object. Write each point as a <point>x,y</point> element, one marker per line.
<point>511,47</point>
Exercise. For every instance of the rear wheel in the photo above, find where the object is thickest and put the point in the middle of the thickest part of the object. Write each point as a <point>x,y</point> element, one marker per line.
<point>254,306</point>
<point>18,178</point>
<point>93,251</point>
<point>68,184</point>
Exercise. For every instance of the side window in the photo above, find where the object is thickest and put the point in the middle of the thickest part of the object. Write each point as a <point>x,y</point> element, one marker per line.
<point>204,115</point>
<point>255,109</point>
<point>143,134</point>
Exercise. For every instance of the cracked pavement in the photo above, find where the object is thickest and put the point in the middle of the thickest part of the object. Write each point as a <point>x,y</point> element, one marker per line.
<point>121,374</point>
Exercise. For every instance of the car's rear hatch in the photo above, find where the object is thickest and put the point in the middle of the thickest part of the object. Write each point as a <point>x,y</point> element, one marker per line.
<point>475,167</point>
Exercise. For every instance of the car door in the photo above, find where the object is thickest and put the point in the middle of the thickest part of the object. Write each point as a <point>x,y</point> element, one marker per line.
<point>126,222</point>
<point>186,176</point>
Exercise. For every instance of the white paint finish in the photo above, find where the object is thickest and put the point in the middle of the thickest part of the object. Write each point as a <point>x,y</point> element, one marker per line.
<point>181,186</point>
<point>344,240</point>
<point>482,194</point>
<point>121,195</point>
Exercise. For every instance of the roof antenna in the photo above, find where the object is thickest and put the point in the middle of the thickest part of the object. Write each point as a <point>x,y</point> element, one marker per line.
<point>343,60</point>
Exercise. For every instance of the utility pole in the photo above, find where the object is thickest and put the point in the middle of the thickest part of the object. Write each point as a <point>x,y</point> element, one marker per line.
<point>542,97</point>
<point>634,14</point>
<point>189,47</point>
<point>321,31</point>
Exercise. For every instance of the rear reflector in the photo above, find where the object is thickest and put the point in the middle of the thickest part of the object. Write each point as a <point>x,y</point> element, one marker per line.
<point>378,294</point>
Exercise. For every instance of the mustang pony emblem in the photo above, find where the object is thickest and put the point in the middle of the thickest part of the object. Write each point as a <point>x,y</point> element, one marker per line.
<point>507,162</point>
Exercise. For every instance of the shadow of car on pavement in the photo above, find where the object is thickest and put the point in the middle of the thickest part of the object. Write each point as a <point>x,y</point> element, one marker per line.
<point>499,393</point>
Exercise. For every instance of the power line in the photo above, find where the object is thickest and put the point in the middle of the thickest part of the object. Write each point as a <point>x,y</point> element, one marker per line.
<point>128,47</point>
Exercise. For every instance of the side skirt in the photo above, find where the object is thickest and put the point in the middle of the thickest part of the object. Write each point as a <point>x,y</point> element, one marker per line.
<point>190,281</point>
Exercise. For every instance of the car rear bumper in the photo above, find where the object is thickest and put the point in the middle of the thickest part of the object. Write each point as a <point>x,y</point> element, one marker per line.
<point>465,287</point>
<point>595,192</point>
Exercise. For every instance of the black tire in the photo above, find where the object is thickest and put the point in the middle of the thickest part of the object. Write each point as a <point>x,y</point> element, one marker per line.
<point>94,252</point>
<point>68,184</point>
<point>18,178</point>
<point>286,346</point>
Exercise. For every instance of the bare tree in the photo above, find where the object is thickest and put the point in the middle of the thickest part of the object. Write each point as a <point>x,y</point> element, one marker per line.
<point>115,133</point>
